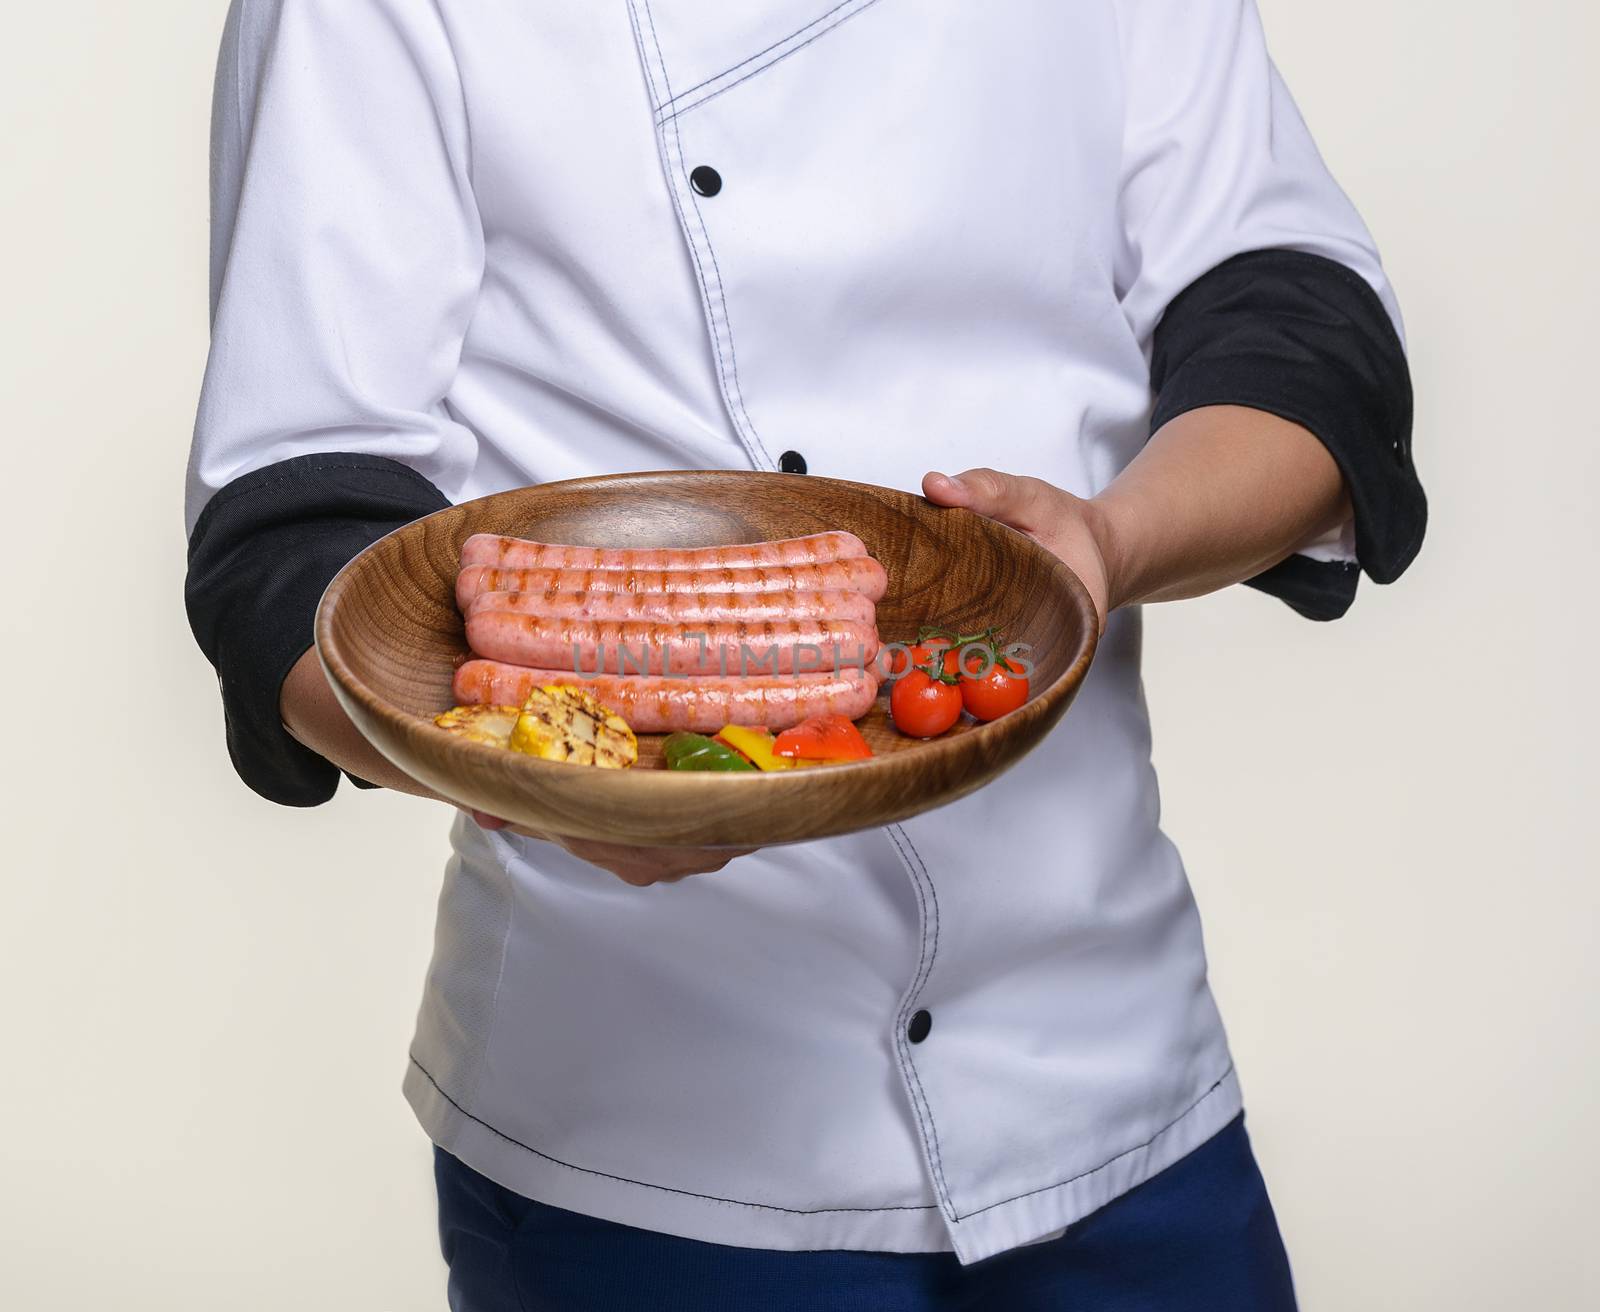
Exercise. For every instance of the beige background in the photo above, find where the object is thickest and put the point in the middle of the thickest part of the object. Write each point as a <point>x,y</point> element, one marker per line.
<point>206,1001</point>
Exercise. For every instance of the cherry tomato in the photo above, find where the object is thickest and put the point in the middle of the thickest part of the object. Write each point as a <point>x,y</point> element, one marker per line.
<point>997,693</point>
<point>924,707</point>
<point>969,661</point>
<point>920,656</point>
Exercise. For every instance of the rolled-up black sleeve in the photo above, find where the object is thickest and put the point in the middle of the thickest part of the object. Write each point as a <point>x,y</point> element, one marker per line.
<point>262,552</point>
<point>1307,339</point>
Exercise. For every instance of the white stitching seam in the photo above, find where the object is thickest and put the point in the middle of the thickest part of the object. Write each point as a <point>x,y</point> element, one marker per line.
<point>929,907</point>
<point>645,1184</point>
<point>649,74</point>
<point>786,47</point>
<point>720,324</point>
<point>816,1211</point>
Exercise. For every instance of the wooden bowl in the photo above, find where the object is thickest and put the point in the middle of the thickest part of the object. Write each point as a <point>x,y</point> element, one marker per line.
<point>390,638</point>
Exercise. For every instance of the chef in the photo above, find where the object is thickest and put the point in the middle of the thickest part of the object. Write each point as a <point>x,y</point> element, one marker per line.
<point>1078,267</point>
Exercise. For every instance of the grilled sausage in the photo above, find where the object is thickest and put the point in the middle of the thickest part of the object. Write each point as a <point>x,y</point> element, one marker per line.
<point>647,647</point>
<point>693,608</point>
<point>703,704</point>
<point>520,553</point>
<point>858,574</point>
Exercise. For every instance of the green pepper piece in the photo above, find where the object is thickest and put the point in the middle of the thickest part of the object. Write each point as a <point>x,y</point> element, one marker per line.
<point>693,751</point>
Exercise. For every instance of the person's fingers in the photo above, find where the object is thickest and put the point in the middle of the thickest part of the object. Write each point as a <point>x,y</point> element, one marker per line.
<point>1010,498</point>
<point>670,865</point>
<point>943,490</point>
<point>648,878</point>
<point>486,821</point>
<point>642,866</point>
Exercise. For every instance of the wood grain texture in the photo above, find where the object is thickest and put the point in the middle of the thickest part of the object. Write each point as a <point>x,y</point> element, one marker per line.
<point>390,637</point>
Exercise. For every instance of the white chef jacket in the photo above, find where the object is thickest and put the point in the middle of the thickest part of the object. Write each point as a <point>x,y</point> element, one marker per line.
<point>504,244</point>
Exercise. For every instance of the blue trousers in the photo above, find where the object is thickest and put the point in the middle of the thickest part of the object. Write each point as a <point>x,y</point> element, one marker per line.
<point>1198,1237</point>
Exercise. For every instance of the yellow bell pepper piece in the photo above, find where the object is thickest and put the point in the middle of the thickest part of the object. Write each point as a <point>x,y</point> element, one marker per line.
<point>756,745</point>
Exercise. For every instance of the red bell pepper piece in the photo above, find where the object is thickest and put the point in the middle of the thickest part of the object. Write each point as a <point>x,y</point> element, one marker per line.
<point>823,738</point>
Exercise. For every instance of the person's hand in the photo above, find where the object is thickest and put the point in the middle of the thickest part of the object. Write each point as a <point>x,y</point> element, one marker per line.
<point>639,866</point>
<point>1067,526</point>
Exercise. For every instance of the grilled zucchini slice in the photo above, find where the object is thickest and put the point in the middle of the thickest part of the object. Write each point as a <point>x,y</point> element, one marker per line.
<point>481,724</point>
<point>563,723</point>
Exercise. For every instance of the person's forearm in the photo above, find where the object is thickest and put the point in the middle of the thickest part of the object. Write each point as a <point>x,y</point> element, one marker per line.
<point>312,714</point>
<point>1216,496</point>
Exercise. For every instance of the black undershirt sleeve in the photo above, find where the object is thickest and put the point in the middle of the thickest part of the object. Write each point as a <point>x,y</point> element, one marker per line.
<point>260,556</point>
<point>1307,339</point>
